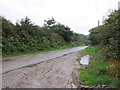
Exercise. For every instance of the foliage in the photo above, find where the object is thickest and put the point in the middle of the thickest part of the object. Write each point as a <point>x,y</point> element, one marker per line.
<point>63,31</point>
<point>49,23</point>
<point>107,37</point>
<point>25,36</point>
<point>85,39</point>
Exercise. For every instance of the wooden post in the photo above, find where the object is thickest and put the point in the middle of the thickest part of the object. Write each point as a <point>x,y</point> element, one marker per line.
<point>119,5</point>
<point>98,23</point>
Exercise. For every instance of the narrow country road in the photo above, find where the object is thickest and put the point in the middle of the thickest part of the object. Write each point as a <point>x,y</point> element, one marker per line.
<point>14,63</point>
<point>54,69</point>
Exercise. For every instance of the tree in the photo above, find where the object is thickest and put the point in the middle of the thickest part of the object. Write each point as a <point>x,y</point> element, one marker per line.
<point>63,31</point>
<point>25,25</point>
<point>7,27</point>
<point>49,23</point>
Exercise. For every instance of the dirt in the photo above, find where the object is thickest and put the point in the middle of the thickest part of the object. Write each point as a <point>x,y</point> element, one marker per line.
<point>61,72</point>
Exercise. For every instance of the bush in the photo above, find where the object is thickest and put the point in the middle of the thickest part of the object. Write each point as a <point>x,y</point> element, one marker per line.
<point>107,37</point>
<point>25,36</point>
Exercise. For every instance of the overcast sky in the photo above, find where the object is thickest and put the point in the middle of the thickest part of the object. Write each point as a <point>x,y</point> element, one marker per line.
<point>79,15</point>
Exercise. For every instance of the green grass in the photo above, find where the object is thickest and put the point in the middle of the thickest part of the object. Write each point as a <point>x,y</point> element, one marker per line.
<point>45,50</point>
<point>97,73</point>
<point>93,50</point>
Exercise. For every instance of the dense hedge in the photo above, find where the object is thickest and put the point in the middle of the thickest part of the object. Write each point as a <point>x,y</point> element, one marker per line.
<point>25,36</point>
<point>107,36</point>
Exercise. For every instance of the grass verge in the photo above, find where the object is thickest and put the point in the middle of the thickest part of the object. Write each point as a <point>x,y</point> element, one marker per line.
<point>97,73</point>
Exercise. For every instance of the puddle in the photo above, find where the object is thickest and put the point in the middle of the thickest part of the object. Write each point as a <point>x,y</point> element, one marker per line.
<point>85,60</point>
<point>74,86</point>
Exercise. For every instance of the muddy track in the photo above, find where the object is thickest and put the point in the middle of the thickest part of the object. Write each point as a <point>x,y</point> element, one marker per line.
<point>60,72</point>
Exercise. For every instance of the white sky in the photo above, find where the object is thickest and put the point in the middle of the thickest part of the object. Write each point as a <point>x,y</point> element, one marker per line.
<point>79,15</point>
